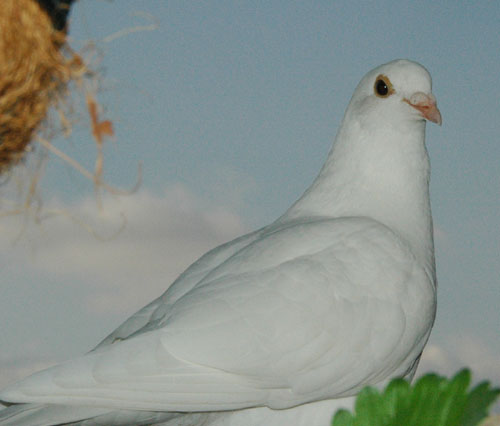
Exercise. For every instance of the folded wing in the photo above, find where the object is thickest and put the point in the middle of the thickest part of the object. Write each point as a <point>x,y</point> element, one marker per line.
<point>308,310</point>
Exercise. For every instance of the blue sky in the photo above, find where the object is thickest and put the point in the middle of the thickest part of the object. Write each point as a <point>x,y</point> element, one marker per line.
<point>232,107</point>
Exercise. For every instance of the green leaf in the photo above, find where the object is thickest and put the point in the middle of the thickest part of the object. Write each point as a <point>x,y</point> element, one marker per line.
<point>476,407</point>
<point>343,418</point>
<point>396,398</point>
<point>370,408</point>
<point>453,397</point>
<point>423,401</point>
<point>432,401</point>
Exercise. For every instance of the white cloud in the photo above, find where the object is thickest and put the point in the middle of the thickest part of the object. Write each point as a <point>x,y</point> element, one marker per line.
<point>62,281</point>
<point>476,353</point>
<point>162,235</point>
<point>436,359</point>
<point>460,351</point>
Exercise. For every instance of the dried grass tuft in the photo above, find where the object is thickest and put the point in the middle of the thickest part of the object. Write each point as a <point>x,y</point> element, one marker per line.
<point>39,73</point>
<point>36,66</point>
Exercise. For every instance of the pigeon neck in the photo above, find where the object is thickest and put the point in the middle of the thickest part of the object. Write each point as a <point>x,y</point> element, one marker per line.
<point>381,173</point>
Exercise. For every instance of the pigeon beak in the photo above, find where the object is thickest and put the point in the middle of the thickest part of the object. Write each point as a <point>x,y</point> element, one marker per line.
<point>426,105</point>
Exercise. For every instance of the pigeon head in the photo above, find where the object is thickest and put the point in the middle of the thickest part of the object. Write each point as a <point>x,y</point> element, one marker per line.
<point>397,92</point>
<point>378,166</point>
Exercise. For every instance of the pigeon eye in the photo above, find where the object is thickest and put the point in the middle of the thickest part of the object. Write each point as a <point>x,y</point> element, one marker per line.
<point>383,87</point>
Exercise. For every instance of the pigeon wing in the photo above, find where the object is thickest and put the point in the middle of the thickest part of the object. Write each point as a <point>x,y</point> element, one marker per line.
<point>309,310</point>
<point>150,316</point>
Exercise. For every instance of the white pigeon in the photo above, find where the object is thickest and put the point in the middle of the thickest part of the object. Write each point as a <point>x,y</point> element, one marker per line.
<point>279,326</point>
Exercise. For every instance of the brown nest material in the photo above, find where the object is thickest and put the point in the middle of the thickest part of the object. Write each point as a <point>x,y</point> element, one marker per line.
<point>36,66</point>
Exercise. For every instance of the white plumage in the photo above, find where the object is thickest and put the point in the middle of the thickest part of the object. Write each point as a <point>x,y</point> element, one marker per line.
<point>273,327</point>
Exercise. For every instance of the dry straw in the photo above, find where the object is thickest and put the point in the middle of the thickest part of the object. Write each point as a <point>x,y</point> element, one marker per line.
<point>36,69</point>
<point>36,66</point>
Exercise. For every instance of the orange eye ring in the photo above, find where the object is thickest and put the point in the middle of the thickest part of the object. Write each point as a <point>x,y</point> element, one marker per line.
<point>383,87</point>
